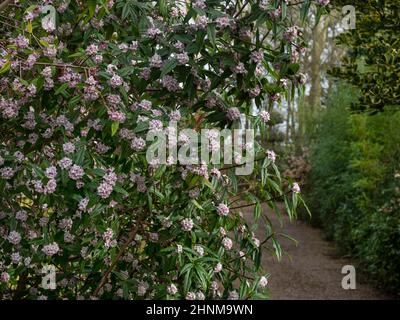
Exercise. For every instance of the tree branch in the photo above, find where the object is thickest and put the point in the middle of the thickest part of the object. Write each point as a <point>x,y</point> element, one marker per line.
<point>242,164</point>
<point>241,9</point>
<point>117,258</point>
<point>253,204</point>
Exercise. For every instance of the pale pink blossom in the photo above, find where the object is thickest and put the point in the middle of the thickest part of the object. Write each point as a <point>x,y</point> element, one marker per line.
<point>233,113</point>
<point>296,187</point>
<point>233,295</point>
<point>190,296</point>
<point>218,268</point>
<point>14,237</point>
<point>187,224</point>
<point>263,282</point>
<point>4,277</point>
<point>227,243</point>
<point>51,249</point>
<point>223,209</point>
<point>172,289</point>
<point>271,155</point>
<point>76,172</point>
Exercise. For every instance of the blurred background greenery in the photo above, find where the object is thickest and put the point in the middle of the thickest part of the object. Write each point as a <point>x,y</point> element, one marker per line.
<point>344,133</point>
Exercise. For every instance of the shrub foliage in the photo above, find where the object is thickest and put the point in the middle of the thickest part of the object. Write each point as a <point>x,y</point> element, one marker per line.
<point>77,99</point>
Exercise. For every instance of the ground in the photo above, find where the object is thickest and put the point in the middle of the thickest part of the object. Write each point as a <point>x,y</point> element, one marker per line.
<point>313,270</point>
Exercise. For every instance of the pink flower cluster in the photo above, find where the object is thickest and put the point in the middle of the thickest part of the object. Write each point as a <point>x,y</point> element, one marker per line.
<point>117,116</point>
<point>233,114</point>
<point>91,89</point>
<point>263,282</point>
<point>138,144</point>
<point>71,77</point>
<point>323,2</point>
<point>156,61</point>
<point>183,58</point>
<point>223,22</point>
<point>296,187</point>
<point>170,83</point>
<point>271,155</point>
<point>265,116</point>
<point>51,249</point>
<point>291,34</point>
<point>14,237</point>
<point>187,224</point>
<point>172,289</point>
<point>108,238</point>
<point>76,172</point>
<point>223,210</point>
<point>201,22</point>
<point>227,243</point>
<point>105,188</point>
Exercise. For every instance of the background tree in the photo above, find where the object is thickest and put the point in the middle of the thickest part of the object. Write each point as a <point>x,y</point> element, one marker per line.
<point>372,63</point>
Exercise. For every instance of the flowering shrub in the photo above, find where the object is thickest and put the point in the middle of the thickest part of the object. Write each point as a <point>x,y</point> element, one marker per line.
<point>78,95</point>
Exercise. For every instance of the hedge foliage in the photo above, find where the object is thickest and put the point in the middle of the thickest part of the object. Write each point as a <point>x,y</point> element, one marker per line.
<point>354,190</point>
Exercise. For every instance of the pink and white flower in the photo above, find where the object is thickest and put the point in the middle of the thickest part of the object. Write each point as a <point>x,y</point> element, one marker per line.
<point>223,210</point>
<point>227,243</point>
<point>187,224</point>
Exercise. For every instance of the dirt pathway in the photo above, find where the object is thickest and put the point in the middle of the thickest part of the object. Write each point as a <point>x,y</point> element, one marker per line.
<point>313,270</point>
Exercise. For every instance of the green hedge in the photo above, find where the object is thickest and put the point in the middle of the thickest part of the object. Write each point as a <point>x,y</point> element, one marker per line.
<point>353,190</point>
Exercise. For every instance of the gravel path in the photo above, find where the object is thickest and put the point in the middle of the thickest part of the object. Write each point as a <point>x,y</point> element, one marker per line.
<point>313,270</point>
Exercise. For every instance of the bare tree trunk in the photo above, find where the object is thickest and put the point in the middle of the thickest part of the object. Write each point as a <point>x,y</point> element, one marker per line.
<point>293,117</point>
<point>288,112</point>
<point>319,38</point>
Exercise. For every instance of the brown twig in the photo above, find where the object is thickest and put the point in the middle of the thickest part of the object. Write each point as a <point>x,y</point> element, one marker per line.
<point>253,204</point>
<point>267,239</point>
<point>119,255</point>
<point>241,9</point>
<point>242,164</point>
<point>238,274</point>
<point>62,65</point>
<point>239,196</point>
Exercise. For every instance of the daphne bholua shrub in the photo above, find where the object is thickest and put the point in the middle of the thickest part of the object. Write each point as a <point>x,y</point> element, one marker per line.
<point>79,93</point>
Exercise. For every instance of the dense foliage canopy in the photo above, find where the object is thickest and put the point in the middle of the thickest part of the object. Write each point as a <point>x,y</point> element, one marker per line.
<point>373,61</point>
